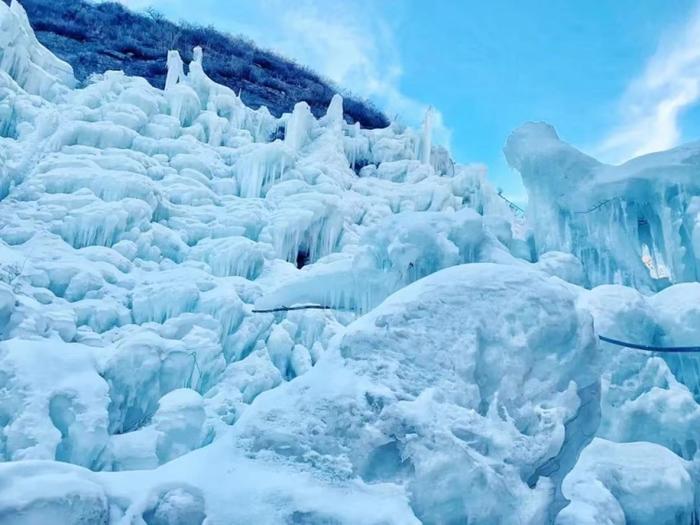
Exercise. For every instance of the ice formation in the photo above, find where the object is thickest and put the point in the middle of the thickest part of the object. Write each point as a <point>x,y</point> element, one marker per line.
<point>454,376</point>
<point>636,224</point>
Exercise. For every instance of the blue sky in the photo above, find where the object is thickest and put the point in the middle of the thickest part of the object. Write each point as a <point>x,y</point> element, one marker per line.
<point>616,78</point>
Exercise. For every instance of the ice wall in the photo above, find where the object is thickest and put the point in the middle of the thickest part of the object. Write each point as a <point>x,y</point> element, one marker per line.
<point>633,224</point>
<point>139,227</point>
<point>448,377</point>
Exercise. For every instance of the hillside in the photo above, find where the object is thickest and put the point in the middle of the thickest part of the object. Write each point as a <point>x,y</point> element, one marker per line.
<point>95,38</point>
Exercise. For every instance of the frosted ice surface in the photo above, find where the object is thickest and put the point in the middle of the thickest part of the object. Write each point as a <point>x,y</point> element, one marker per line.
<point>453,376</point>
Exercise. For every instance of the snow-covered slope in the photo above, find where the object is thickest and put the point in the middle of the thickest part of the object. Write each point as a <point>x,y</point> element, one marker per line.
<point>145,234</point>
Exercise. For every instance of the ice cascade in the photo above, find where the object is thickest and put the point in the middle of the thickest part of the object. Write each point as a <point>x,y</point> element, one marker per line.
<point>450,373</point>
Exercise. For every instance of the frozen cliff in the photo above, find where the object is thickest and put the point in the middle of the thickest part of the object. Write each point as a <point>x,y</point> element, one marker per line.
<point>453,375</point>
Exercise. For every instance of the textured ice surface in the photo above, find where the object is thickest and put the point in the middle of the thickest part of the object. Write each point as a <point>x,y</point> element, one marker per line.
<point>454,377</point>
<point>446,389</point>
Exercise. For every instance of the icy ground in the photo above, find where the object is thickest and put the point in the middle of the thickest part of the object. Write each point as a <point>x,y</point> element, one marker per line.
<point>456,376</point>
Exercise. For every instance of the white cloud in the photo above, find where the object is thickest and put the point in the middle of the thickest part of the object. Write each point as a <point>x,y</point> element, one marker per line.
<point>351,45</point>
<point>651,106</point>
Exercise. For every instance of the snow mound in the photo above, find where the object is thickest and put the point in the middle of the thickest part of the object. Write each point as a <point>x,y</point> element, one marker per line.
<point>68,494</point>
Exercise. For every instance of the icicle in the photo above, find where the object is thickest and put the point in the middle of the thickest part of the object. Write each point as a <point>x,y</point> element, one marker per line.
<point>426,139</point>
<point>298,129</point>
<point>262,167</point>
<point>627,225</point>
<point>334,114</point>
<point>197,55</point>
<point>33,67</point>
<point>198,78</point>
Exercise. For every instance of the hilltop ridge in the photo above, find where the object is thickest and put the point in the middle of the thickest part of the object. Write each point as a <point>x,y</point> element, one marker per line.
<point>97,37</point>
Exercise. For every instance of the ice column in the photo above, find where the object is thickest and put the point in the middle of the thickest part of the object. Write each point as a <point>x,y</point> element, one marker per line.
<point>176,71</point>
<point>426,139</point>
<point>334,114</point>
<point>299,125</point>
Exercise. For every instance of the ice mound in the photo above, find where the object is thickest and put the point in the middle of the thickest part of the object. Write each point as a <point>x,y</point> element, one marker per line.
<point>151,241</point>
<point>642,399</point>
<point>618,483</point>
<point>446,389</point>
<point>53,403</point>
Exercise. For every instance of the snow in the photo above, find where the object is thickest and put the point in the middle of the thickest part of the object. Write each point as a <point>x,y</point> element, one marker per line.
<point>453,375</point>
<point>617,483</point>
<point>68,494</point>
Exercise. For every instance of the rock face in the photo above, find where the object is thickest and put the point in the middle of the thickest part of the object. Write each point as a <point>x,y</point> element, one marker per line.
<point>151,241</point>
